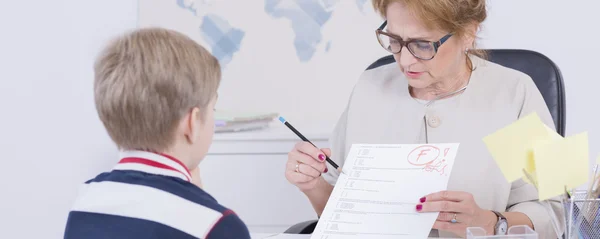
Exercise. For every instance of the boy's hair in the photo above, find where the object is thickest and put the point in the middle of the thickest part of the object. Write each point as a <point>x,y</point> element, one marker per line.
<point>146,81</point>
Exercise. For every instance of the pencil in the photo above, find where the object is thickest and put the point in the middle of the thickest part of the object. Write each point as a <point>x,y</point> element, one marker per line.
<point>286,123</point>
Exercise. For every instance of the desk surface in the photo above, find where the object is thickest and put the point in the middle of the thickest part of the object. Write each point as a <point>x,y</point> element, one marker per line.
<point>279,236</point>
<point>283,236</point>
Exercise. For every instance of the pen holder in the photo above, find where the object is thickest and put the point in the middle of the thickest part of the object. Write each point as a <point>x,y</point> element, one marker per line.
<point>580,224</point>
<point>520,232</point>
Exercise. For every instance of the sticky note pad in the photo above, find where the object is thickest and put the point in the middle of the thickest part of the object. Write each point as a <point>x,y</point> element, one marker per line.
<point>530,168</point>
<point>530,174</point>
<point>560,163</point>
<point>511,146</point>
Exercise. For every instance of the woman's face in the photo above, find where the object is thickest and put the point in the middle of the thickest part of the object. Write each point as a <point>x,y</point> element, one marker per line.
<point>448,62</point>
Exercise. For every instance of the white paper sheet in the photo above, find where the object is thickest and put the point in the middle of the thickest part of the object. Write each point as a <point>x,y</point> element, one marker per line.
<point>383,185</point>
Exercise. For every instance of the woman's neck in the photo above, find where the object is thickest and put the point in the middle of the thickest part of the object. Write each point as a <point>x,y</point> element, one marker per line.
<point>443,87</point>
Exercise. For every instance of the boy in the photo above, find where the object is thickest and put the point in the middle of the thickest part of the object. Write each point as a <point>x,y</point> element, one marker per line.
<point>155,90</point>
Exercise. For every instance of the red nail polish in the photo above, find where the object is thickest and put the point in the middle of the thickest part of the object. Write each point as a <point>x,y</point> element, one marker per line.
<point>325,170</point>
<point>419,207</point>
<point>321,157</point>
<point>422,200</point>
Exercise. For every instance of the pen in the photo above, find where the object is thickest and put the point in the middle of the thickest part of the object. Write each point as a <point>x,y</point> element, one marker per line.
<point>286,123</point>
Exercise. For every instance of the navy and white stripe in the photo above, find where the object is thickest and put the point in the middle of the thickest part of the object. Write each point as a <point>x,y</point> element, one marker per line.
<point>149,195</point>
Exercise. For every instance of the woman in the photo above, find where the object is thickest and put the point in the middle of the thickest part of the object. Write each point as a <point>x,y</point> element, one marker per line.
<point>441,90</point>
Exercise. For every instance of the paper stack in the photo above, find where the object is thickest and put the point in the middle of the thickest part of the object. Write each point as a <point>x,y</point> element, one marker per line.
<point>228,121</point>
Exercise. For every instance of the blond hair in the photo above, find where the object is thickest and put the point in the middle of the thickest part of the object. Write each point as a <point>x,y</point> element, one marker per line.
<point>146,81</point>
<point>454,16</point>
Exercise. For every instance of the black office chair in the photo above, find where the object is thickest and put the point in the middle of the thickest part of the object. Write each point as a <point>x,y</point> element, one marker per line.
<point>541,69</point>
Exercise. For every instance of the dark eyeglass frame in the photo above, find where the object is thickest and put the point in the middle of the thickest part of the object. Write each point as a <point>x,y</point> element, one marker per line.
<point>436,45</point>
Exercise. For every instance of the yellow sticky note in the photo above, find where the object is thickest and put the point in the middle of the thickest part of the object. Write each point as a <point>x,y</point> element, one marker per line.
<point>560,163</point>
<point>530,169</point>
<point>511,145</point>
<point>553,135</point>
<point>531,176</point>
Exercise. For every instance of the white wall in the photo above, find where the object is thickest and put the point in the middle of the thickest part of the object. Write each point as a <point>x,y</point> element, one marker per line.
<point>50,137</point>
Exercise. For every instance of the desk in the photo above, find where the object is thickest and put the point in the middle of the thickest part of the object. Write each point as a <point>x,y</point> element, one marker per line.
<point>286,236</point>
<point>279,236</point>
<point>244,171</point>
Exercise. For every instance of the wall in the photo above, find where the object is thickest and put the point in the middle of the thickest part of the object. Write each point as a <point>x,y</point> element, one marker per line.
<point>50,137</point>
<point>566,33</point>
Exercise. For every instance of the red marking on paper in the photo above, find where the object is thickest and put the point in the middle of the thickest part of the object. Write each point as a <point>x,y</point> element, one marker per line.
<point>428,157</point>
<point>423,155</point>
<point>438,166</point>
<point>446,151</point>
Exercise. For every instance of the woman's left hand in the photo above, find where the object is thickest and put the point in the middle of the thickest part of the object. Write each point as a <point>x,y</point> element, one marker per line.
<point>458,211</point>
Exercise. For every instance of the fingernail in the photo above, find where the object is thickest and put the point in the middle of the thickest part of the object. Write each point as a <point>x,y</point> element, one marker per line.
<point>325,170</point>
<point>321,157</point>
<point>419,207</point>
<point>422,200</point>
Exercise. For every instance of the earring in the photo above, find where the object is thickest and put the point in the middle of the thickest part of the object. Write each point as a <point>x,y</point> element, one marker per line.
<point>466,51</point>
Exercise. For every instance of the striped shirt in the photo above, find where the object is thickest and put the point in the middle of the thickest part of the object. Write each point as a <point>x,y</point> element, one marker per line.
<point>149,195</point>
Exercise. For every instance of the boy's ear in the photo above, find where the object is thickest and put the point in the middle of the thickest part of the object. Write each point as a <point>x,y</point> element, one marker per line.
<point>192,126</point>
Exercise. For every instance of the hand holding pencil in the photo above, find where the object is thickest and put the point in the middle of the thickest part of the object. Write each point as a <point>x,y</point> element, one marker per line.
<point>306,162</point>
<point>305,165</point>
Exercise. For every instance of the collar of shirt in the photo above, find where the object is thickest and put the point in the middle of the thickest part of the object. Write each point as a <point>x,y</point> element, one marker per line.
<point>153,163</point>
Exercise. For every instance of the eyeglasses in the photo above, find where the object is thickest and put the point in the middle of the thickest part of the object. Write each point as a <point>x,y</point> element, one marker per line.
<point>421,49</point>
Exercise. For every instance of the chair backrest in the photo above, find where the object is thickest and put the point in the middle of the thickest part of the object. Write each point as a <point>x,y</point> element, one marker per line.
<point>541,69</point>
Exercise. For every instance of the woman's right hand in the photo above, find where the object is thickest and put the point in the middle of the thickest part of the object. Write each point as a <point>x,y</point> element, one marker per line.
<point>305,164</point>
